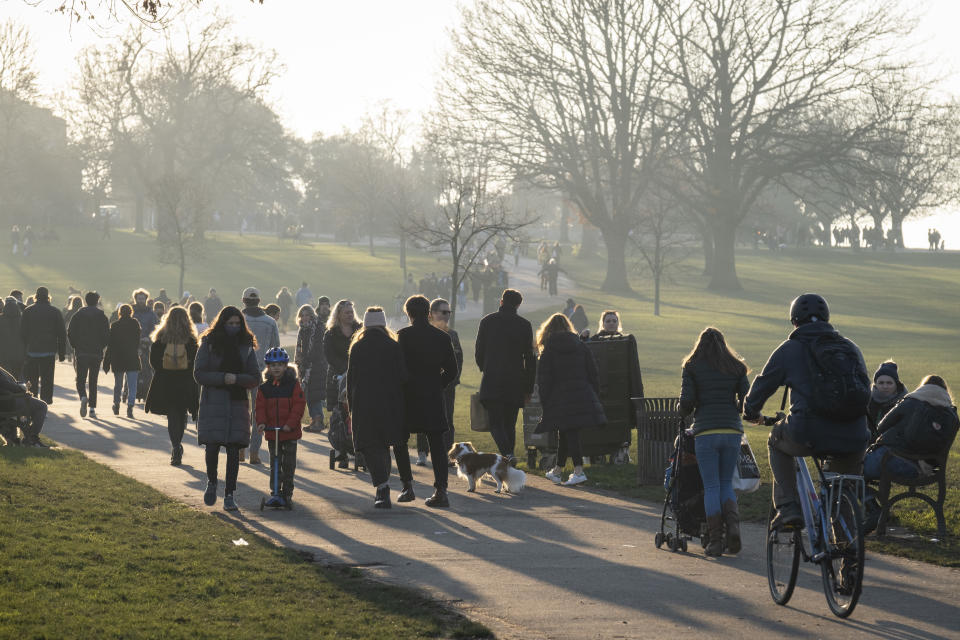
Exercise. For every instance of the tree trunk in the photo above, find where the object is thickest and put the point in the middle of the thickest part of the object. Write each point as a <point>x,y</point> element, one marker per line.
<point>724,275</point>
<point>403,258</point>
<point>138,218</point>
<point>454,291</point>
<point>896,223</point>
<point>564,223</point>
<point>708,249</point>
<point>372,252</point>
<point>183,267</point>
<point>656,293</point>
<point>616,279</point>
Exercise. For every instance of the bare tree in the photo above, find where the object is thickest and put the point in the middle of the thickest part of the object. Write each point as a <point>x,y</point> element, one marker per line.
<point>751,80</point>
<point>662,239</point>
<point>469,209</point>
<point>566,94</point>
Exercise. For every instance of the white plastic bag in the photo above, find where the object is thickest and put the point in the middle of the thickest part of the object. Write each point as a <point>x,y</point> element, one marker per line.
<point>746,474</point>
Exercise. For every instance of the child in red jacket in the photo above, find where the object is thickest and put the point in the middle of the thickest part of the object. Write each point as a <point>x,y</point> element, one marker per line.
<point>280,403</point>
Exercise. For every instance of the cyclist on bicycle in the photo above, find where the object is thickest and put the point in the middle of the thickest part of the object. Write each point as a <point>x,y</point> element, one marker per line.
<point>828,382</point>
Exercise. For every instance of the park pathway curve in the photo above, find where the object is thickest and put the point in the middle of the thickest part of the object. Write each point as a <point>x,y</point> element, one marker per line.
<point>552,562</point>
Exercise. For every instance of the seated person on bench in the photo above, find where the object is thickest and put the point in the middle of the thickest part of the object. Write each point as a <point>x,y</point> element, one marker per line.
<point>14,398</point>
<point>925,422</point>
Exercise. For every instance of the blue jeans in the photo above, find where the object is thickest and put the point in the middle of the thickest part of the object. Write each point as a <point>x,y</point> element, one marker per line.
<point>131,377</point>
<point>314,407</point>
<point>900,468</point>
<point>717,458</point>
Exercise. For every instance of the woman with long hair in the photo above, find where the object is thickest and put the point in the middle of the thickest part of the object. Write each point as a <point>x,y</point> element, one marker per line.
<point>341,326</point>
<point>569,392</point>
<point>173,392</point>
<point>375,377</point>
<point>226,368</point>
<point>311,365</point>
<point>714,384</point>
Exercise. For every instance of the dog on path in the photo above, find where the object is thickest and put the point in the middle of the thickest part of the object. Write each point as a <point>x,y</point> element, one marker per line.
<point>473,465</point>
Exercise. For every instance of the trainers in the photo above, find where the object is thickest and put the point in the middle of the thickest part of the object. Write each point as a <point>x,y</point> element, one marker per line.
<point>83,407</point>
<point>129,410</point>
<point>229,504</point>
<point>421,459</point>
<point>554,476</point>
<point>116,408</point>
<point>210,494</point>
<point>93,413</point>
<point>788,515</point>
<point>575,478</point>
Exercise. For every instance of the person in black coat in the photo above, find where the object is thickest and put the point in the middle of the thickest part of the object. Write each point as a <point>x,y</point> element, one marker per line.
<point>504,354</point>
<point>376,374</point>
<point>89,334</point>
<point>887,391</point>
<point>432,365</point>
<point>569,392</point>
<point>173,391</point>
<point>44,340</point>
<point>11,347</point>
<point>123,356</point>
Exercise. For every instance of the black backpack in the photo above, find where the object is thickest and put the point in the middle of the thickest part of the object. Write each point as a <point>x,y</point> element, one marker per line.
<point>930,429</point>
<point>840,389</point>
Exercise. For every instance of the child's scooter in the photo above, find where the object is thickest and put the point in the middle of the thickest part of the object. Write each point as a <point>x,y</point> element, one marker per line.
<point>276,499</point>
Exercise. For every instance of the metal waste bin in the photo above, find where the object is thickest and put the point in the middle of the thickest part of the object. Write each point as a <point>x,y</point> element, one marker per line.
<point>658,423</point>
<point>543,445</point>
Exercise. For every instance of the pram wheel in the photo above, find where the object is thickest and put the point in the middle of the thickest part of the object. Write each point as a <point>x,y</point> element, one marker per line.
<point>333,459</point>
<point>658,539</point>
<point>683,545</point>
<point>531,458</point>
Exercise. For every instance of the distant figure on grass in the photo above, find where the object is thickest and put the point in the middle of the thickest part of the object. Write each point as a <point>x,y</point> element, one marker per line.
<point>280,404</point>
<point>504,354</point>
<point>569,392</point>
<point>89,334</point>
<point>579,319</point>
<point>551,273</point>
<point>303,295</point>
<point>341,326</point>
<point>173,392</point>
<point>375,378</point>
<point>44,340</point>
<point>226,369</point>
<point>212,304</point>
<point>887,391</point>
<point>285,302</point>
<point>432,365</point>
<point>123,356</point>
<point>265,329</point>
<point>714,384</point>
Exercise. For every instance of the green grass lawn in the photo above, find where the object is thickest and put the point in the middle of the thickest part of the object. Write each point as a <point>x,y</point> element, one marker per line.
<point>904,306</point>
<point>88,553</point>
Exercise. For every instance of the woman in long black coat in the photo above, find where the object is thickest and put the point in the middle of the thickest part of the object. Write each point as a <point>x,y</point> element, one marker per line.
<point>11,347</point>
<point>123,356</point>
<point>428,354</point>
<point>569,392</point>
<point>375,378</point>
<point>173,391</point>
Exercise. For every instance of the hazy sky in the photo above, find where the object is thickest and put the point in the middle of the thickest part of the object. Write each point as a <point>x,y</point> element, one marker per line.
<point>342,58</point>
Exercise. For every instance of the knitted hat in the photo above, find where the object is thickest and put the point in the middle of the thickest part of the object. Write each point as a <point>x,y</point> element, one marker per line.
<point>323,300</point>
<point>887,368</point>
<point>374,319</point>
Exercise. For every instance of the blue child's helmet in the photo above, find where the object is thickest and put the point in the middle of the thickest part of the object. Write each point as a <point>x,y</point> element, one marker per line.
<point>276,355</point>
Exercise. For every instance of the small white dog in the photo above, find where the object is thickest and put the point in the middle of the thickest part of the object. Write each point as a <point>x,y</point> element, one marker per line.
<point>472,465</point>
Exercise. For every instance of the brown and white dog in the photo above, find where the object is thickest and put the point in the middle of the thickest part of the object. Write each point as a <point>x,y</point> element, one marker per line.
<point>472,465</point>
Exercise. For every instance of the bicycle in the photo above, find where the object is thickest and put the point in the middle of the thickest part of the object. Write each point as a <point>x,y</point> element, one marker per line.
<point>831,536</point>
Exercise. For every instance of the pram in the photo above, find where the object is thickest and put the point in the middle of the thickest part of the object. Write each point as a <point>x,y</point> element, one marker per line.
<point>340,434</point>
<point>683,515</point>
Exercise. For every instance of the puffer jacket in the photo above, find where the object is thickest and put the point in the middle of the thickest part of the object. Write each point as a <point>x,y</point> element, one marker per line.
<point>264,329</point>
<point>42,329</point>
<point>123,350</point>
<point>222,419</point>
<point>568,385</point>
<point>281,403</point>
<point>714,397</point>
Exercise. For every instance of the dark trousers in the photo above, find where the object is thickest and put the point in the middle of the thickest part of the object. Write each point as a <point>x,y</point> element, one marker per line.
<point>176,425</point>
<point>233,464</point>
<point>449,436</point>
<point>377,460</point>
<point>438,457</point>
<point>503,426</point>
<point>569,445</point>
<point>288,465</point>
<point>39,374</point>
<point>88,371</point>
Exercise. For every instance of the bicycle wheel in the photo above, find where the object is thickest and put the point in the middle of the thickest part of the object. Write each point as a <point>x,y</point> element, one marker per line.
<point>783,561</point>
<point>842,568</point>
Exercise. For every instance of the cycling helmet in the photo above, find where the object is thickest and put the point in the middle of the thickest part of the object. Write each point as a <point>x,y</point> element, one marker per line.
<point>276,355</point>
<point>806,306</point>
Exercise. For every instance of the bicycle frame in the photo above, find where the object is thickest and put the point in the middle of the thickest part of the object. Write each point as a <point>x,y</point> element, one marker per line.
<point>815,519</point>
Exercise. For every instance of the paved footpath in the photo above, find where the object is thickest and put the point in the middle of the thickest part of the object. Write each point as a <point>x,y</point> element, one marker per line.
<point>552,562</point>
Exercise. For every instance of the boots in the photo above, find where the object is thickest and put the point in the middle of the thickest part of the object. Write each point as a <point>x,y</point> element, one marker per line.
<point>731,520</point>
<point>438,499</point>
<point>714,536</point>
<point>382,500</point>
<point>176,455</point>
<point>407,494</point>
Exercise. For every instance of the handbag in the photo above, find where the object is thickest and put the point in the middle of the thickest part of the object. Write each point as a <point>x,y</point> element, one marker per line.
<point>479,419</point>
<point>746,474</point>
